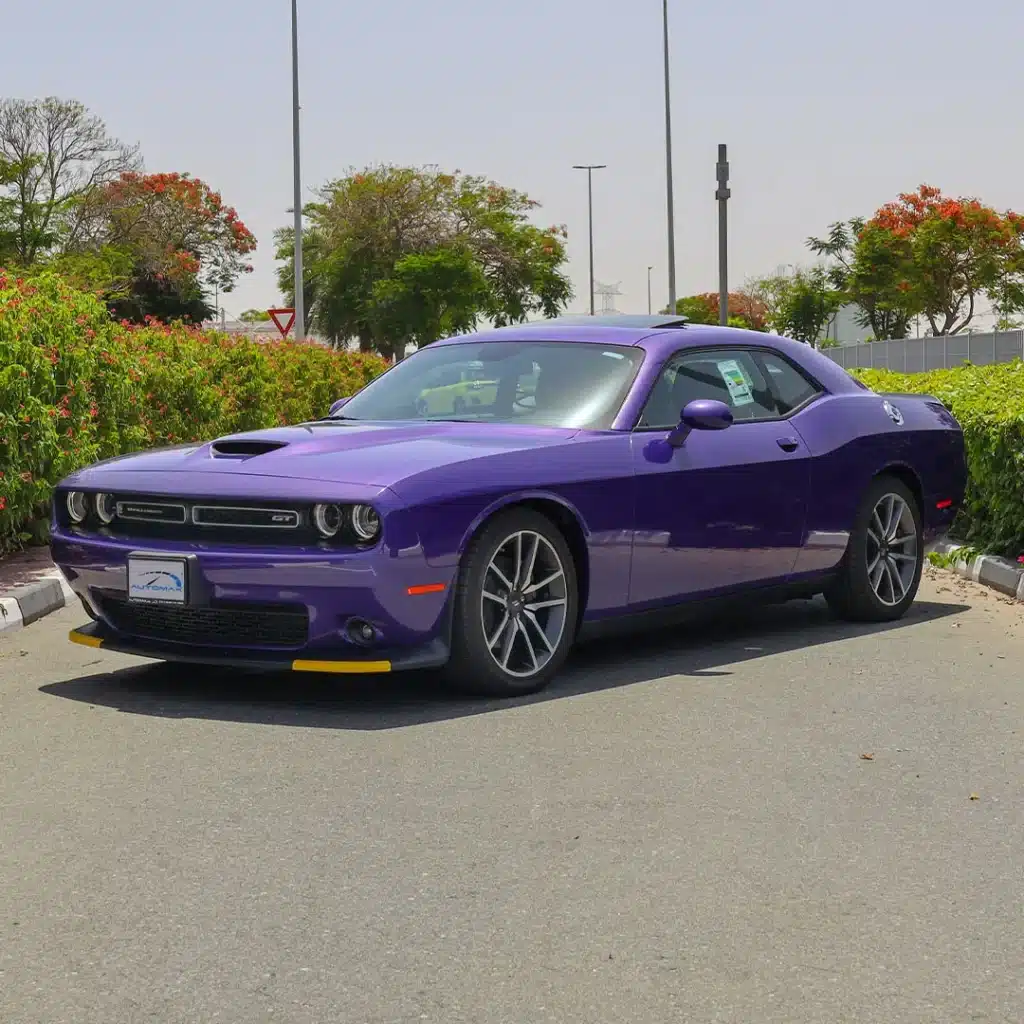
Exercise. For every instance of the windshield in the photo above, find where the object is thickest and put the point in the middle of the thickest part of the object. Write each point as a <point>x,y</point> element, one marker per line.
<point>554,384</point>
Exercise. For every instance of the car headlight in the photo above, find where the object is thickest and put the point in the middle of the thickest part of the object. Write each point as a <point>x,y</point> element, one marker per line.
<point>328,519</point>
<point>365,522</point>
<point>106,508</point>
<point>77,506</point>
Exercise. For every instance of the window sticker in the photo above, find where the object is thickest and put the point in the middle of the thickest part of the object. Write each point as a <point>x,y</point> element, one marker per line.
<point>739,384</point>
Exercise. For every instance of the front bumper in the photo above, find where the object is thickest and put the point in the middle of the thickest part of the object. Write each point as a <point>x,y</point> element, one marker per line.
<point>271,608</point>
<point>96,635</point>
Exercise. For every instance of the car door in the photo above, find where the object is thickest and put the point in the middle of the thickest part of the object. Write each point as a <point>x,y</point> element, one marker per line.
<point>728,507</point>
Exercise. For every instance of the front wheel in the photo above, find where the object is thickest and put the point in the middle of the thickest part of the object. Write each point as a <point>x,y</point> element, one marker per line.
<point>881,570</point>
<point>515,607</point>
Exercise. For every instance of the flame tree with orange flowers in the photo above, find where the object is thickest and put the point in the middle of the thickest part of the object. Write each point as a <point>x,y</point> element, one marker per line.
<point>74,199</point>
<point>928,255</point>
<point>178,238</point>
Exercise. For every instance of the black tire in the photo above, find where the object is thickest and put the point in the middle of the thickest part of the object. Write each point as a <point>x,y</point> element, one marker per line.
<point>853,595</point>
<point>472,668</point>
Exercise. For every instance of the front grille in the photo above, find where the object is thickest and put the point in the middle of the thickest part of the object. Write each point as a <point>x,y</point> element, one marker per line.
<point>150,512</point>
<point>222,625</point>
<point>143,517</point>
<point>244,516</point>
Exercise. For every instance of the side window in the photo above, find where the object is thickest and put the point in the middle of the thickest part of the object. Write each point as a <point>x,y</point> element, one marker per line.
<point>732,377</point>
<point>791,387</point>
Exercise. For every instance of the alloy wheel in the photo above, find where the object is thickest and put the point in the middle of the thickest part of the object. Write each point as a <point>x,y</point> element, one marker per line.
<point>523,603</point>
<point>891,549</point>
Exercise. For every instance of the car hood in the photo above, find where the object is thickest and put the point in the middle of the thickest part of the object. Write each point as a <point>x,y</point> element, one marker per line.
<point>340,451</point>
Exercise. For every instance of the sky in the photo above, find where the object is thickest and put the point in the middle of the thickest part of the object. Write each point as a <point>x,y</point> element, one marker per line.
<point>829,110</point>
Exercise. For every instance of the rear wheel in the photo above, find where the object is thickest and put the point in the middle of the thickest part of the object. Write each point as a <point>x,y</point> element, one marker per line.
<point>515,607</point>
<point>881,570</point>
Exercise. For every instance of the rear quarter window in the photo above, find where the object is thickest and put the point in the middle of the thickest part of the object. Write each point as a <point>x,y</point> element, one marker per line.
<point>791,386</point>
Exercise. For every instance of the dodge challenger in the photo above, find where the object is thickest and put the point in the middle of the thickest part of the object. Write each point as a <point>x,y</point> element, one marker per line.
<point>613,473</point>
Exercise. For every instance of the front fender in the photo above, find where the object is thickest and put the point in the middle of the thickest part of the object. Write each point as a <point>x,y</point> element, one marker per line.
<point>521,498</point>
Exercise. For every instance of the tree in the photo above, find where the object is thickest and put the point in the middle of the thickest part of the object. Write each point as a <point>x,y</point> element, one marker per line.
<point>809,305</point>
<point>52,153</point>
<point>953,252</point>
<point>429,296</point>
<point>400,255</point>
<point>871,269</point>
<point>801,304</point>
<point>254,316</point>
<point>176,235</point>
<point>746,311</point>
<point>769,293</point>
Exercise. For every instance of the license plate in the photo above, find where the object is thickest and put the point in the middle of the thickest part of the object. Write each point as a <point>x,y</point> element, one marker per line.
<point>157,580</point>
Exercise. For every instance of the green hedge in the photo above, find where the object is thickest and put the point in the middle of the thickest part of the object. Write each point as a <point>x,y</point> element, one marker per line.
<point>989,403</point>
<point>76,387</point>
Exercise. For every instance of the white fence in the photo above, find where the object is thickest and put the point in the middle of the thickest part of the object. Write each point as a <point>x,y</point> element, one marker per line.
<point>917,355</point>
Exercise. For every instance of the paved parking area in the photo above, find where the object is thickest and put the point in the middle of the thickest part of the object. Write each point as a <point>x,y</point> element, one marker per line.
<point>770,820</point>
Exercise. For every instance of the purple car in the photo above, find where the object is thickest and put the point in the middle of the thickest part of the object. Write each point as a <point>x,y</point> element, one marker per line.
<point>495,497</point>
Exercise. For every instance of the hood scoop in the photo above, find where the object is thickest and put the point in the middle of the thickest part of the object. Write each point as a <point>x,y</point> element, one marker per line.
<point>244,449</point>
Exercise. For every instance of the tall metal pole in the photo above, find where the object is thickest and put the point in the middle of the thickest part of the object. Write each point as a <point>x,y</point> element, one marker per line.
<point>722,195</point>
<point>668,175</point>
<point>300,312</point>
<point>590,227</point>
<point>649,269</point>
<point>590,168</point>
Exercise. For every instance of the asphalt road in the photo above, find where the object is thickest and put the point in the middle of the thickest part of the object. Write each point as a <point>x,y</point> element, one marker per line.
<point>684,829</point>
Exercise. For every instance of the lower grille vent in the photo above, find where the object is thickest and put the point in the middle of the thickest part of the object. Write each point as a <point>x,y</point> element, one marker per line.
<point>239,625</point>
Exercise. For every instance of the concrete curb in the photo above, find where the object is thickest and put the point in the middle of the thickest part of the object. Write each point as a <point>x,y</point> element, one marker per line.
<point>24,605</point>
<point>989,570</point>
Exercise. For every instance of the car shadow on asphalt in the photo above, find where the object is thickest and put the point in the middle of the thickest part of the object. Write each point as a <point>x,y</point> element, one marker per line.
<point>699,649</point>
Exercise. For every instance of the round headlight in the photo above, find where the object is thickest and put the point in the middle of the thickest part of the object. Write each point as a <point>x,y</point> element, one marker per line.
<point>106,508</point>
<point>327,519</point>
<point>77,507</point>
<point>365,522</point>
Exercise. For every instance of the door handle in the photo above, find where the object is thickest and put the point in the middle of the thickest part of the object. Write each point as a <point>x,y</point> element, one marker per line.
<point>787,444</point>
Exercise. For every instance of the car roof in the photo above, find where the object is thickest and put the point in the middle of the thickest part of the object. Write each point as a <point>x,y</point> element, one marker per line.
<point>661,336</point>
<point>601,330</point>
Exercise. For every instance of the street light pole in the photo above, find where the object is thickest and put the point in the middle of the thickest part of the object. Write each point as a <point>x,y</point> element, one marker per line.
<point>722,195</point>
<point>649,269</point>
<point>668,174</point>
<point>300,313</point>
<point>590,168</point>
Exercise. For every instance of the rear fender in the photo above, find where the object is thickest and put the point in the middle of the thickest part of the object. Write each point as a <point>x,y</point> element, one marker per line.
<point>853,438</point>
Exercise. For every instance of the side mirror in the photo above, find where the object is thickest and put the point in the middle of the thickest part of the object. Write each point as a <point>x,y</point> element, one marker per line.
<point>336,406</point>
<point>701,414</point>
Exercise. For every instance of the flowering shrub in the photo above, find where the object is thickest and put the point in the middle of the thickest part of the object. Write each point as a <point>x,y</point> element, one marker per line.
<point>76,387</point>
<point>988,401</point>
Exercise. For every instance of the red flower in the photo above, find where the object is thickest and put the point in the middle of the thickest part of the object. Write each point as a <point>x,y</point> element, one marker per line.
<point>3,504</point>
